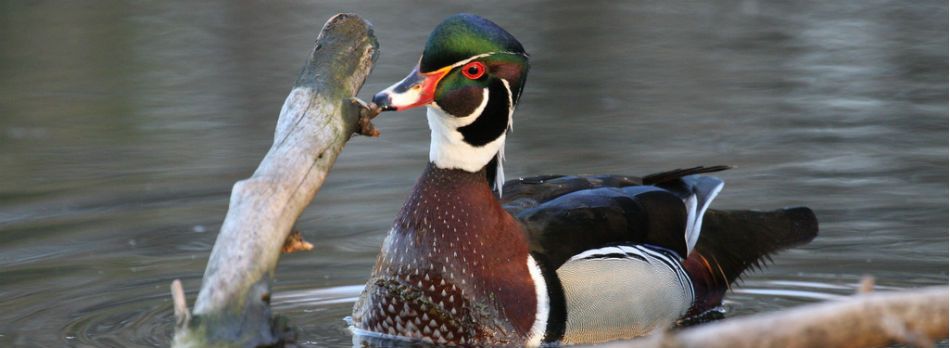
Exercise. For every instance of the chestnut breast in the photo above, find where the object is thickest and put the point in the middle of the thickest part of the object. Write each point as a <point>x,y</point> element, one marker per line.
<point>453,269</point>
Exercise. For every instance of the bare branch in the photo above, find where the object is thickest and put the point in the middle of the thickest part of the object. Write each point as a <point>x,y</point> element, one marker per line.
<point>317,119</point>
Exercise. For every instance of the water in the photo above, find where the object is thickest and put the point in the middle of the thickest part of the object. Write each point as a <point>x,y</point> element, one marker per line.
<point>123,126</point>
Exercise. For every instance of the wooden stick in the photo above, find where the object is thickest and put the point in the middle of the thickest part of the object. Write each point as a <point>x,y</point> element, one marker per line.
<point>917,317</point>
<point>317,119</point>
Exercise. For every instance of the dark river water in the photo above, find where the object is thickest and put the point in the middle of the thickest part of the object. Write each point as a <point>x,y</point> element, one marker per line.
<point>123,127</point>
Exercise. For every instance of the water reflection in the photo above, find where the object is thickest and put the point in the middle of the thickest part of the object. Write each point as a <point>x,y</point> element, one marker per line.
<point>122,127</point>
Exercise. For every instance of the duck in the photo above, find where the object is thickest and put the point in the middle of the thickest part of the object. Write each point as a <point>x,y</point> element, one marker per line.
<point>474,260</point>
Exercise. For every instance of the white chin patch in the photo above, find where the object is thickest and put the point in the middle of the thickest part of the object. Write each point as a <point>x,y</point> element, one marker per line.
<point>448,148</point>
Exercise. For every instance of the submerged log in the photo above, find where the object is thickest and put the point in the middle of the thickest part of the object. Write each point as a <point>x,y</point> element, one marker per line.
<point>317,119</point>
<point>913,317</point>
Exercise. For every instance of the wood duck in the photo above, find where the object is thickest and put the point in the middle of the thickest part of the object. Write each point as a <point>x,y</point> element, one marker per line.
<point>473,260</point>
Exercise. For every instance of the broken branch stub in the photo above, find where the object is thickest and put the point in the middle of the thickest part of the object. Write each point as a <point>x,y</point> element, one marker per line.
<point>316,120</point>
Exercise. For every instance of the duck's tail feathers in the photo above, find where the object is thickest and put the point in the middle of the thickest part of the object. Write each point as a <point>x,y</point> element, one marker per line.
<point>733,241</point>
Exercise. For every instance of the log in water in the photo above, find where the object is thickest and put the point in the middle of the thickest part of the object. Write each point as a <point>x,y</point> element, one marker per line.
<point>317,119</point>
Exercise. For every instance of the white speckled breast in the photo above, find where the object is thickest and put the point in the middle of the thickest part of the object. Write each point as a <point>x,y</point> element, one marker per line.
<point>452,269</point>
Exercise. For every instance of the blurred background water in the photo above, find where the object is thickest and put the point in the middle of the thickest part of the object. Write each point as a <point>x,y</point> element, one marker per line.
<point>123,126</point>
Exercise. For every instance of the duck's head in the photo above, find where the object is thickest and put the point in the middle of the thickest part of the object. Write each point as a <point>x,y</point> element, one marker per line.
<point>470,77</point>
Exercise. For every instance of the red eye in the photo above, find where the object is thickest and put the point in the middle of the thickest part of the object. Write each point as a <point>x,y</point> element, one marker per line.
<point>473,70</point>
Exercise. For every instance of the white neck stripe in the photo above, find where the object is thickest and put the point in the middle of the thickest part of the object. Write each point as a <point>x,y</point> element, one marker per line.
<point>448,149</point>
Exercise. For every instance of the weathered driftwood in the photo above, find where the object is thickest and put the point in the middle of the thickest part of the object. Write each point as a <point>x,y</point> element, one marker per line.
<point>317,119</point>
<point>913,317</point>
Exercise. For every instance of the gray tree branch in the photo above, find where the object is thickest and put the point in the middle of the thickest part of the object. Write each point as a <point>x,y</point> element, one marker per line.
<point>317,119</point>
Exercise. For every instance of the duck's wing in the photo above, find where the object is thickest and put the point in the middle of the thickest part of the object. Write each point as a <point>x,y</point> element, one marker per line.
<point>565,216</point>
<point>523,193</point>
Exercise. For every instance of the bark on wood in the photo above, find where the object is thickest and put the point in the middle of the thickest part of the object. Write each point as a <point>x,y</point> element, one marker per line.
<point>914,317</point>
<point>317,119</point>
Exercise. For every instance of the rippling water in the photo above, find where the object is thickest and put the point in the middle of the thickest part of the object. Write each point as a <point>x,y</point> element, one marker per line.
<point>122,127</point>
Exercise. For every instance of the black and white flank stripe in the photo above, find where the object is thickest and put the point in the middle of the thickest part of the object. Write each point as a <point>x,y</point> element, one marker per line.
<point>653,255</point>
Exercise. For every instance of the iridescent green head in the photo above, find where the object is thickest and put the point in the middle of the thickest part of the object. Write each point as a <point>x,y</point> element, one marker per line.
<point>463,55</point>
<point>462,36</point>
<point>471,75</point>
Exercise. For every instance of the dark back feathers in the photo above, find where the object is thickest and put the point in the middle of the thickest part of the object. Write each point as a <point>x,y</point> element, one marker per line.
<point>565,215</point>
